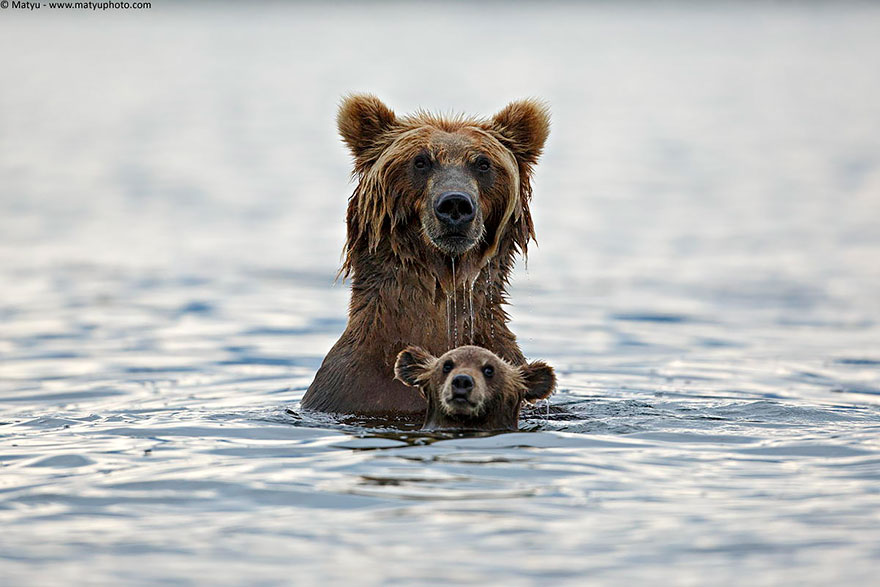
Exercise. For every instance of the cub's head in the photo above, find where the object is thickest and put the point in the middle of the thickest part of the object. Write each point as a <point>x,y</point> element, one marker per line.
<point>471,388</point>
<point>452,184</point>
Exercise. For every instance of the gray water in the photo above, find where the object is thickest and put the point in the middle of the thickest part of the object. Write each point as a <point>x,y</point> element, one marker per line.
<point>707,285</point>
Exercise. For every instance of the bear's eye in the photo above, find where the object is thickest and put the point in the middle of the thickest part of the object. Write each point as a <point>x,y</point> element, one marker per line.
<point>488,371</point>
<point>421,163</point>
<point>447,366</point>
<point>483,164</point>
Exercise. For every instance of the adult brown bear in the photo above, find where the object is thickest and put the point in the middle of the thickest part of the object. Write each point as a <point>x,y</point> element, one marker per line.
<point>440,210</point>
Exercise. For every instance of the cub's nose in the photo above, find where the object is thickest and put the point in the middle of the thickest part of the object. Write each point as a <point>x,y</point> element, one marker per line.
<point>454,209</point>
<point>462,386</point>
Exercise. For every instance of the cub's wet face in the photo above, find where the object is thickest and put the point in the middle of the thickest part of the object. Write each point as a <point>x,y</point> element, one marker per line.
<point>465,384</point>
<point>470,387</point>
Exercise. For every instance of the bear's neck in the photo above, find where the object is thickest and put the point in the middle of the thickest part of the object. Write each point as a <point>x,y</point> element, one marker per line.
<point>496,417</point>
<point>434,301</point>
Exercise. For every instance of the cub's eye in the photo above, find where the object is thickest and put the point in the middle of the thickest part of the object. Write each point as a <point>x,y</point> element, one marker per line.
<point>421,163</point>
<point>488,371</point>
<point>447,366</point>
<point>483,164</point>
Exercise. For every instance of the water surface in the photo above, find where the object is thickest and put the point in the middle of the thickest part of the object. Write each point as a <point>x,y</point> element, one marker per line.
<point>172,195</point>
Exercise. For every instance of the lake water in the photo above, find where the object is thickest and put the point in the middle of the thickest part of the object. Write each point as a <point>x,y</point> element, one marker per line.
<point>707,285</point>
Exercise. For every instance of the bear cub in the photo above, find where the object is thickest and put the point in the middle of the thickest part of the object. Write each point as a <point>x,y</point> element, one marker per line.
<point>471,388</point>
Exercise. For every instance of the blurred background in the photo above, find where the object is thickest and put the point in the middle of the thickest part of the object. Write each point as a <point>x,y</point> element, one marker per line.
<point>172,201</point>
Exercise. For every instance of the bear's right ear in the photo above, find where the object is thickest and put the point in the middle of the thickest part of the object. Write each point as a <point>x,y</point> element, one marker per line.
<point>413,365</point>
<point>540,380</point>
<point>362,119</point>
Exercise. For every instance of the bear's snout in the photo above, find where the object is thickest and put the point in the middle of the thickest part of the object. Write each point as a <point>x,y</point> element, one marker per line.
<point>462,385</point>
<point>463,395</point>
<point>456,210</point>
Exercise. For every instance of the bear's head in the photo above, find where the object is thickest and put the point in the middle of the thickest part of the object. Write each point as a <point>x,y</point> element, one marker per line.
<point>470,387</point>
<point>452,184</point>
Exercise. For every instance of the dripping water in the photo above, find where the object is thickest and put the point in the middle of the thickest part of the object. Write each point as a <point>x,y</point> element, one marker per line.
<point>448,321</point>
<point>471,308</point>
<point>489,304</point>
<point>454,307</point>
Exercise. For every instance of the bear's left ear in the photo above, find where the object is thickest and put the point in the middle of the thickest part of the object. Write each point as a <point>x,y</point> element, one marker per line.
<point>540,380</point>
<point>413,364</point>
<point>523,127</point>
<point>362,119</point>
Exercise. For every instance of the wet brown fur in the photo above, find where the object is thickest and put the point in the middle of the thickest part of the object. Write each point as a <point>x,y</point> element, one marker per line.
<point>497,399</point>
<point>401,280</point>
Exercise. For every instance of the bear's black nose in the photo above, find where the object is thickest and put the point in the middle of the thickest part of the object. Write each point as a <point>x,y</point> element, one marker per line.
<point>462,386</point>
<point>455,209</point>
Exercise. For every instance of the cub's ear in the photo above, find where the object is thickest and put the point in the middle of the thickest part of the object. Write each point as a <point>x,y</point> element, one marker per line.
<point>523,127</point>
<point>413,366</point>
<point>362,119</point>
<point>540,380</point>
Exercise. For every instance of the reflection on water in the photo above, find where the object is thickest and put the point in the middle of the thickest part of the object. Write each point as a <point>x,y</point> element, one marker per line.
<point>706,286</point>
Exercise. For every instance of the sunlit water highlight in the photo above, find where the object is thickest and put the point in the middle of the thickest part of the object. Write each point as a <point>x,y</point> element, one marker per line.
<point>172,196</point>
